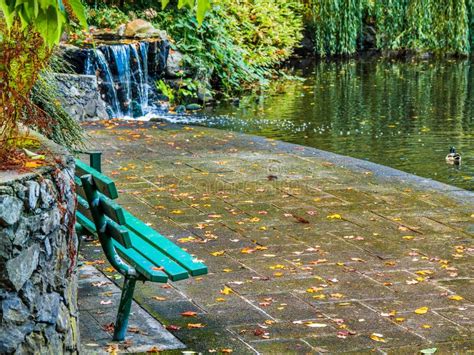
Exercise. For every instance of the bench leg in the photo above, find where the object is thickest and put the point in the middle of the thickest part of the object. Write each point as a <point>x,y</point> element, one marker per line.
<point>124,309</point>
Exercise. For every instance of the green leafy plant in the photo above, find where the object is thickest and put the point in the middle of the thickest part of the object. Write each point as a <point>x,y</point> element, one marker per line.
<point>106,17</point>
<point>238,44</point>
<point>166,90</point>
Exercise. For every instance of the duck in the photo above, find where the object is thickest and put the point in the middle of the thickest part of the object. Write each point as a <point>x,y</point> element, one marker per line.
<point>453,157</point>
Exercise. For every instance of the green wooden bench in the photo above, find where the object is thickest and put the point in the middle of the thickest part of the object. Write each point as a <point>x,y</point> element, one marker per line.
<point>134,249</point>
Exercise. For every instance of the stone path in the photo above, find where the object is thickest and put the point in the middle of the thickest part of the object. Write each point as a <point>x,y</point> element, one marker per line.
<point>98,302</point>
<point>308,251</point>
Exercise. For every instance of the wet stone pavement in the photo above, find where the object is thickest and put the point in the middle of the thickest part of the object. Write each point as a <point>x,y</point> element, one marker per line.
<point>308,252</point>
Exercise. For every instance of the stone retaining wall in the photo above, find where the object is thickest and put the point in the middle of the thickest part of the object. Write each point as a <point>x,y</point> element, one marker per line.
<point>38,249</point>
<point>80,97</point>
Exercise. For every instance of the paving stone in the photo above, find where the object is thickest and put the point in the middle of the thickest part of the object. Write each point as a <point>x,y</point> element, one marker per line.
<point>282,346</point>
<point>348,272</point>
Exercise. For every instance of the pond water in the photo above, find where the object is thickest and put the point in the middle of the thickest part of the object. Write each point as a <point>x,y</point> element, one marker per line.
<point>401,114</point>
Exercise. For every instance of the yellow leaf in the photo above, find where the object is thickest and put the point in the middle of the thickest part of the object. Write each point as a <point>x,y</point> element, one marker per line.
<point>158,298</point>
<point>400,319</point>
<point>33,164</point>
<point>277,267</point>
<point>421,310</point>
<point>377,337</point>
<point>426,326</point>
<point>227,270</point>
<point>218,253</point>
<point>278,274</point>
<point>337,295</point>
<point>408,237</point>
<point>186,240</point>
<point>109,269</point>
<point>220,299</point>
<point>226,291</point>
<point>455,298</point>
<point>177,212</point>
<point>334,216</point>
<point>319,297</point>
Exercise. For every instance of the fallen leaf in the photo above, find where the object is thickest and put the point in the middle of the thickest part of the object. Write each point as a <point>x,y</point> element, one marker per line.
<point>226,291</point>
<point>106,302</point>
<point>377,337</point>
<point>158,298</point>
<point>334,216</point>
<point>153,350</point>
<point>188,314</point>
<point>421,310</point>
<point>429,351</point>
<point>456,298</point>
<point>315,325</point>
<point>195,325</point>
<point>218,253</point>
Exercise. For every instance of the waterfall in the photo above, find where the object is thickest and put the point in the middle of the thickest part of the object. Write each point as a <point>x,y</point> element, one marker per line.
<point>125,78</point>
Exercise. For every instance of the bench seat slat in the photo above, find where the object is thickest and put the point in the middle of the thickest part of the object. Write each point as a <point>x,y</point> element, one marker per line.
<point>83,208</point>
<point>166,246</point>
<point>174,271</point>
<point>85,222</point>
<point>104,184</point>
<point>112,209</point>
<point>141,264</point>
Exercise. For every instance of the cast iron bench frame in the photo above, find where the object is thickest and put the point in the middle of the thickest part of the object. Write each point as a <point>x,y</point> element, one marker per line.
<point>134,249</point>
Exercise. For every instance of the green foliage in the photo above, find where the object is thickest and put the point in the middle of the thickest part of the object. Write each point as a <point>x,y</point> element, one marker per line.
<point>444,27</point>
<point>47,17</point>
<point>336,25</point>
<point>267,31</point>
<point>66,131</point>
<point>237,44</point>
<point>166,90</point>
<point>106,17</point>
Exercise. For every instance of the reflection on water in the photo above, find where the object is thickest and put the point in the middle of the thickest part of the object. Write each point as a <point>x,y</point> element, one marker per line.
<point>404,115</point>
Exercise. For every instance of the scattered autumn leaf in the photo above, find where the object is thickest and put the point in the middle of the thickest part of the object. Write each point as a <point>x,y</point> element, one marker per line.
<point>188,314</point>
<point>421,310</point>
<point>195,325</point>
<point>218,253</point>
<point>377,337</point>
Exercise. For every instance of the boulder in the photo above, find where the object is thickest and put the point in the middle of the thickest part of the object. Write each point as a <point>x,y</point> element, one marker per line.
<point>174,64</point>
<point>140,28</point>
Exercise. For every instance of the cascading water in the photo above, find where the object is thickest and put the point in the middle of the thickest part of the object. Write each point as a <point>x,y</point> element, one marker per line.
<point>125,79</point>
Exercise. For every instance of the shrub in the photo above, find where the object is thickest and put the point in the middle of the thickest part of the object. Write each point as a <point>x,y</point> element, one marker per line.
<point>238,42</point>
<point>106,17</point>
<point>267,30</point>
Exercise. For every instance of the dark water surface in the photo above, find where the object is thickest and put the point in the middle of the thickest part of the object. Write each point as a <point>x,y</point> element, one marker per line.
<point>400,114</point>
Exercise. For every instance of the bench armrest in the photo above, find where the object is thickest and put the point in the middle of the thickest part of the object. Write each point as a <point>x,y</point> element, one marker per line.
<point>95,159</point>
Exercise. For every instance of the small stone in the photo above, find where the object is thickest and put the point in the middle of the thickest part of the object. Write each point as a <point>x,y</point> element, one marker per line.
<point>11,337</point>
<point>174,64</point>
<point>63,319</point>
<point>33,194</point>
<point>49,308</point>
<point>13,310</point>
<point>20,268</point>
<point>47,193</point>
<point>10,210</point>
<point>50,221</point>
<point>193,107</point>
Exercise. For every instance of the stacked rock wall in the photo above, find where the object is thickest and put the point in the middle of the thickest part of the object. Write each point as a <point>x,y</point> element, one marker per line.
<point>80,97</point>
<point>38,249</point>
